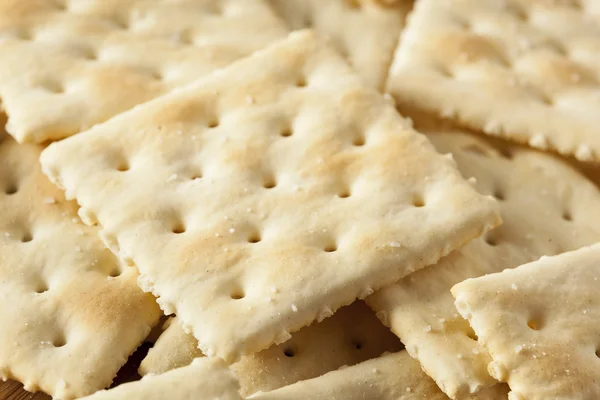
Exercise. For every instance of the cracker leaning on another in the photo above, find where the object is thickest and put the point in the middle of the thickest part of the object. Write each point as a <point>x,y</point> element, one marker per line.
<point>365,32</point>
<point>540,323</point>
<point>352,335</point>
<point>523,70</point>
<point>71,314</point>
<point>268,195</point>
<point>204,379</point>
<point>547,208</point>
<point>389,377</point>
<point>68,65</point>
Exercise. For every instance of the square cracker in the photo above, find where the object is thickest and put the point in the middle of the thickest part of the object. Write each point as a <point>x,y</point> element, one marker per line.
<point>547,208</point>
<point>352,335</point>
<point>389,377</point>
<point>524,70</point>
<point>268,195</point>
<point>205,378</point>
<point>540,323</point>
<point>67,65</point>
<point>365,32</point>
<point>72,315</point>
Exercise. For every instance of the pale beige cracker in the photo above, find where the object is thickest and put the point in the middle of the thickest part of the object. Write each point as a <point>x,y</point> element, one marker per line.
<point>365,32</point>
<point>352,335</point>
<point>389,377</point>
<point>71,314</point>
<point>540,323</point>
<point>268,195</point>
<point>547,207</point>
<point>67,65</point>
<point>204,379</point>
<point>524,70</point>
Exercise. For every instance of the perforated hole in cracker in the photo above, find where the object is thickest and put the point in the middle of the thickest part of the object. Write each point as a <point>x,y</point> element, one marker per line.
<point>237,294</point>
<point>533,324</point>
<point>179,228</point>
<point>418,200</point>
<point>123,166</point>
<point>359,141</point>
<point>26,237</point>
<point>301,82</point>
<point>289,352</point>
<point>269,181</point>
<point>42,287</point>
<point>287,132</point>
<point>11,188</point>
<point>499,194</point>
<point>213,123</point>
<point>344,194</point>
<point>330,247</point>
<point>254,238</point>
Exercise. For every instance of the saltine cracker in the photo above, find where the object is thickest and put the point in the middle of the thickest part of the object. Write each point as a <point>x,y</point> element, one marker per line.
<point>71,313</point>
<point>204,379</point>
<point>268,195</point>
<point>68,65</point>
<point>518,69</point>
<point>547,208</point>
<point>540,323</point>
<point>389,377</point>
<point>365,32</point>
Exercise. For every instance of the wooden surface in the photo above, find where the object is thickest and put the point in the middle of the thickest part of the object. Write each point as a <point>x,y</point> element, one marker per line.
<point>11,390</point>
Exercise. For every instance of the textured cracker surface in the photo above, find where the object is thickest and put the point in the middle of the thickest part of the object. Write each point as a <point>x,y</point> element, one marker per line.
<point>540,323</point>
<point>389,377</point>
<point>524,70</point>
<point>352,335</point>
<point>365,32</point>
<point>204,378</point>
<point>72,314</point>
<point>547,208</point>
<point>237,197</point>
<point>67,65</point>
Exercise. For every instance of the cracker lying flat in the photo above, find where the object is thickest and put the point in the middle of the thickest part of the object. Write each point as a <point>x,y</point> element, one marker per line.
<point>521,69</point>
<point>547,208</point>
<point>365,32</point>
<point>204,378</point>
<point>268,195</point>
<point>390,377</point>
<point>540,323</point>
<point>71,314</point>
<point>67,65</point>
<point>352,335</point>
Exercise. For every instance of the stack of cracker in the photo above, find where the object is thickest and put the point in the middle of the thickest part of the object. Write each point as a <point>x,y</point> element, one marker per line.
<point>299,199</point>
